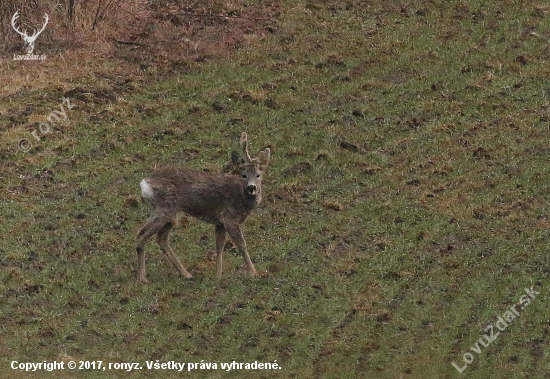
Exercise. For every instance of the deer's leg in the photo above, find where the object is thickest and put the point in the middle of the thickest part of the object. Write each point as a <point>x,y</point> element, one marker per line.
<point>220,244</point>
<point>152,227</point>
<point>162,240</point>
<point>236,235</point>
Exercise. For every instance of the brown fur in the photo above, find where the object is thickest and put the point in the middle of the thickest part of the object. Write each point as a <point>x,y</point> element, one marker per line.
<point>224,200</point>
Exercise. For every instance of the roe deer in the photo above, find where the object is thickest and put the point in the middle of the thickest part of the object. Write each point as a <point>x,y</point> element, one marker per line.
<point>224,200</point>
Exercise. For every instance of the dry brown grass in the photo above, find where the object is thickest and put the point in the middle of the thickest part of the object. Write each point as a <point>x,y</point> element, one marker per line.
<point>115,49</point>
<point>162,39</point>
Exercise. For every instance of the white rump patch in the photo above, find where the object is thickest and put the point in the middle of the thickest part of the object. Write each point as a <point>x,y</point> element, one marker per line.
<point>146,189</point>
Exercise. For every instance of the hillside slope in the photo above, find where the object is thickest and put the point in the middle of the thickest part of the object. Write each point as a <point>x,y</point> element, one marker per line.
<point>405,209</point>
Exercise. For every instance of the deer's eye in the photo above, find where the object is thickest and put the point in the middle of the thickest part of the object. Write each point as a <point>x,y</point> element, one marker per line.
<point>244,176</point>
<point>258,176</point>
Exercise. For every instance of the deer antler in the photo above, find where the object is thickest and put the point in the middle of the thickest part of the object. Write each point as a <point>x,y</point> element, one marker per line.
<point>24,34</point>
<point>244,148</point>
<point>15,17</point>
<point>43,27</point>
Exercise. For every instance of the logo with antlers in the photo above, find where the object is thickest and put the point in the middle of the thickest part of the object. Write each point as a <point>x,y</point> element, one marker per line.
<point>29,40</point>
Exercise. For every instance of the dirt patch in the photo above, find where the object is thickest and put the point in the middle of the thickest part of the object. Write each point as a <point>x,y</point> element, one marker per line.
<point>161,39</point>
<point>198,32</point>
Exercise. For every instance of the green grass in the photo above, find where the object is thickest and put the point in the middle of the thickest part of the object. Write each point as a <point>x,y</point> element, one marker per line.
<point>405,207</point>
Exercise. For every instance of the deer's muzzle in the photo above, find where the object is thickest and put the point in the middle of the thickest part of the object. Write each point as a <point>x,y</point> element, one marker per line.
<point>251,189</point>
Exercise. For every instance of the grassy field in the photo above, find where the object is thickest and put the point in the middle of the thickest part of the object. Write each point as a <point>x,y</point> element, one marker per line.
<point>405,208</point>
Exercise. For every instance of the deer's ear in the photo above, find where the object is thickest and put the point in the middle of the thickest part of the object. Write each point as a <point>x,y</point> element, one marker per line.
<point>264,158</point>
<point>236,159</point>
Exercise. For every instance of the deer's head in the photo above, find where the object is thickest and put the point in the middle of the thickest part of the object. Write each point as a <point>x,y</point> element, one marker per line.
<point>250,169</point>
<point>29,40</point>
